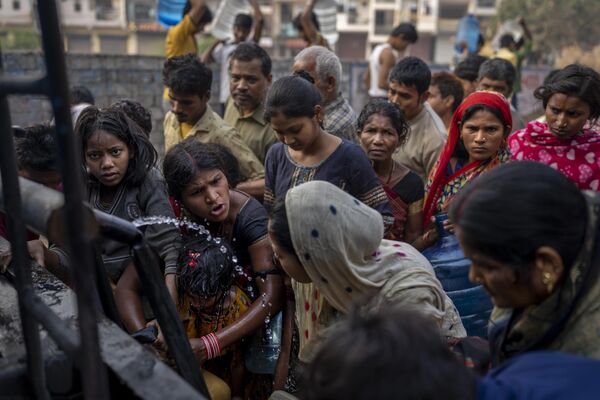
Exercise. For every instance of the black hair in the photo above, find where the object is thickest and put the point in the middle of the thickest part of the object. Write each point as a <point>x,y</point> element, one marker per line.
<point>137,112</point>
<point>81,94</point>
<point>507,40</point>
<point>448,85</point>
<point>573,80</point>
<point>243,21</point>
<point>293,96</point>
<point>412,71</point>
<point>184,160</point>
<point>35,148</point>
<point>116,122</point>
<point>510,212</point>
<point>297,22</point>
<point>369,353</point>
<point>498,69</point>
<point>407,31</point>
<point>251,51</point>
<point>468,69</point>
<point>186,75</point>
<point>205,19</point>
<point>206,269</point>
<point>460,151</point>
<point>389,110</point>
<point>279,226</point>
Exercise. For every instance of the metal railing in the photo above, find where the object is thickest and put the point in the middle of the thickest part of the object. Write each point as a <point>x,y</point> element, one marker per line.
<point>79,240</point>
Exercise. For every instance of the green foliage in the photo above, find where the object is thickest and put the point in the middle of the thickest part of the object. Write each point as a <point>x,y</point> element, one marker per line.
<point>556,24</point>
<point>16,39</point>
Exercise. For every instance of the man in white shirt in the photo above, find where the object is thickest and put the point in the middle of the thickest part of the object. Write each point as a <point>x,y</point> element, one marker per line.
<point>385,56</point>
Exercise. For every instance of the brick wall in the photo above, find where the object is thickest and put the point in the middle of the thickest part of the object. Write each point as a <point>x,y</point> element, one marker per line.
<point>111,77</point>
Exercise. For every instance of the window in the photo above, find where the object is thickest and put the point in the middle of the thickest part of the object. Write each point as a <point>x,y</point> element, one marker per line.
<point>16,5</point>
<point>486,3</point>
<point>384,22</point>
<point>77,6</point>
<point>286,13</point>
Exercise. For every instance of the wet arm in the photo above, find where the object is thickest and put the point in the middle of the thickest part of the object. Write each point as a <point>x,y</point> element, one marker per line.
<point>269,299</point>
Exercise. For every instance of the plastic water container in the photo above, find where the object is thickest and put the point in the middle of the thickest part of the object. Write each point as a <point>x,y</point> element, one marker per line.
<point>169,11</point>
<point>264,348</point>
<point>452,269</point>
<point>225,16</point>
<point>326,12</point>
<point>468,32</point>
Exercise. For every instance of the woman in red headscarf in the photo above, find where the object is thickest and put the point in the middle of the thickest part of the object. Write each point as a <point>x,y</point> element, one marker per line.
<point>476,144</point>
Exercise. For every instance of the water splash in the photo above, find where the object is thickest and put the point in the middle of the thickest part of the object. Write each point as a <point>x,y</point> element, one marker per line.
<point>161,219</point>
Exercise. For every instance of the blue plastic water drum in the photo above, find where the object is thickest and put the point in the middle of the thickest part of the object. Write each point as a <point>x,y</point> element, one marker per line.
<point>452,269</point>
<point>468,32</point>
<point>170,11</point>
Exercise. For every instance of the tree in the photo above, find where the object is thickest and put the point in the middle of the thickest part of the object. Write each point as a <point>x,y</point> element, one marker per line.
<point>556,24</point>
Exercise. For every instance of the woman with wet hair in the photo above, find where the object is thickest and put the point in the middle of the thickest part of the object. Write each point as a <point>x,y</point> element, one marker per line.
<point>198,176</point>
<point>534,242</point>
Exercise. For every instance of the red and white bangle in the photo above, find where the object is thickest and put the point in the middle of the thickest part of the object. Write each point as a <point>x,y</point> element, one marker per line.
<point>211,345</point>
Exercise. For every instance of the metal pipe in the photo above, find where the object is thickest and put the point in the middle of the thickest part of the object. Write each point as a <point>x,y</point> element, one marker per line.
<point>105,291</point>
<point>23,85</point>
<point>147,266</point>
<point>16,230</point>
<point>93,372</point>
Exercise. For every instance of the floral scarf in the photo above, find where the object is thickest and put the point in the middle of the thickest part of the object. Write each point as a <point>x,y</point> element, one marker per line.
<point>441,188</point>
<point>578,158</point>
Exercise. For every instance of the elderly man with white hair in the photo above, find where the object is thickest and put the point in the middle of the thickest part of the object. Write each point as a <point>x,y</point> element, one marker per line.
<point>325,69</point>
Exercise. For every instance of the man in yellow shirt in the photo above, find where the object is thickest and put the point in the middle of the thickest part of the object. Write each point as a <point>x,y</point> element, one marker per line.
<point>181,37</point>
<point>188,82</point>
<point>250,70</point>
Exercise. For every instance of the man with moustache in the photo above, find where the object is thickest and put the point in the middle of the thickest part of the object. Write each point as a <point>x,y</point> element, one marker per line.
<point>188,82</point>
<point>250,78</point>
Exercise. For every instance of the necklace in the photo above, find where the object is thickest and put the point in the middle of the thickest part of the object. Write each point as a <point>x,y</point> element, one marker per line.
<point>387,182</point>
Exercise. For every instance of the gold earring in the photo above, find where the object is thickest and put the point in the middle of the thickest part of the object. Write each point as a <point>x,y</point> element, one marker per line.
<point>547,280</point>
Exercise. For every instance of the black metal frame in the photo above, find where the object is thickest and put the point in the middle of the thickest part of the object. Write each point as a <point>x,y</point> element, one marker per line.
<point>85,348</point>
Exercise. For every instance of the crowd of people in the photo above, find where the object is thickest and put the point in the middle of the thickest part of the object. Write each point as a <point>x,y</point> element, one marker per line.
<point>318,217</point>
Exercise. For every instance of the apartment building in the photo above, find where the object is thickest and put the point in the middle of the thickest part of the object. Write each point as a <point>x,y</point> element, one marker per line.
<point>131,27</point>
<point>362,24</point>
